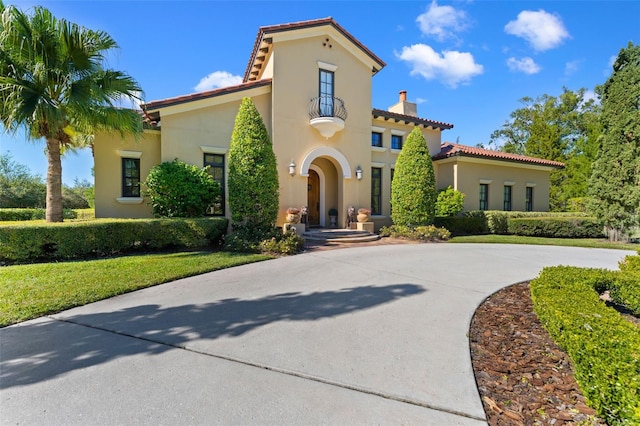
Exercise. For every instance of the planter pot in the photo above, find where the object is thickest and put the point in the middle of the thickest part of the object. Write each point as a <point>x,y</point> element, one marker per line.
<point>363,217</point>
<point>333,220</point>
<point>292,218</point>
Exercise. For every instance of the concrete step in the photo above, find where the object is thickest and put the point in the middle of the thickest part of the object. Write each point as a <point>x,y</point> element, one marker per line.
<point>340,236</point>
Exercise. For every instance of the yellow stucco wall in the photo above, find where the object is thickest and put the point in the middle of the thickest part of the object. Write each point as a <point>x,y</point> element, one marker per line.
<point>466,174</point>
<point>109,149</point>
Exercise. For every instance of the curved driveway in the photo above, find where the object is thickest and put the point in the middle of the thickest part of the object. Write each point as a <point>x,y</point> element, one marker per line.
<point>365,335</point>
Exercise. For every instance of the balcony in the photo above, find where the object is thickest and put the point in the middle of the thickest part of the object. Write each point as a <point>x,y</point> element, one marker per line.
<point>327,115</point>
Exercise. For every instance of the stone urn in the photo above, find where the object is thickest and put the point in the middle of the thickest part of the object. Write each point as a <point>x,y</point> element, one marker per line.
<point>363,215</point>
<point>293,215</point>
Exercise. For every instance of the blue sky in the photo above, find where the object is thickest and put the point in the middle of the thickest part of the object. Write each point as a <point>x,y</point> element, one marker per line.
<point>464,62</point>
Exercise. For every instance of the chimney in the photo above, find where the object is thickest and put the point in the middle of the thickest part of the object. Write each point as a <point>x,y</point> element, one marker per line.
<point>404,107</point>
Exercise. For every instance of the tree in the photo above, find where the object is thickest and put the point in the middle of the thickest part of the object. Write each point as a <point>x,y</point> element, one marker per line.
<point>564,129</point>
<point>615,177</point>
<point>18,187</point>
<point>177,189</point>
<point>53,83</point>
<point>413,189</point>
<point>253,175</point>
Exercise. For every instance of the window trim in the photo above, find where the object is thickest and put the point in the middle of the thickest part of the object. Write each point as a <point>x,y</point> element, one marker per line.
<point>223,184</point>
<point>123,176</point>
<point>396,137</point>
<point>381,139</point>
<point>483,202</point>
<point>528,198</point>
<point>507,204</point>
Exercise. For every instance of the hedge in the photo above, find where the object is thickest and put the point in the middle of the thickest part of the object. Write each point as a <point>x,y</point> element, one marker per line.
<point>558,227</point>
<point>603,346</point>
<point>465,224</point>
<point>11,215</point>
<point>105,237</point>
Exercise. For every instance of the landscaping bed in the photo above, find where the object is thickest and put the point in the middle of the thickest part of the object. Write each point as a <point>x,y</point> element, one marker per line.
<point>523,377</point>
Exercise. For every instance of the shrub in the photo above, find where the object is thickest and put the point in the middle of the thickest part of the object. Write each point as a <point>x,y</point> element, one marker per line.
<point>497,222</point>
<point>287,243</point>
<point>32,214</point>
<point>558,227</point>
<point>177,189</point>
<point>74,240</point>
<point>602,345</point>
<point>470,223</point>
<point>253,175</point>
<point>625,291</point>
<point>418,233</point>
<point>274,242</point>
<point>450,202</point>
<point>413,195</point>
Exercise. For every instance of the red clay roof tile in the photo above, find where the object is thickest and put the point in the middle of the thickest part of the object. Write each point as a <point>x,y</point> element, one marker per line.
<point>448,149</point>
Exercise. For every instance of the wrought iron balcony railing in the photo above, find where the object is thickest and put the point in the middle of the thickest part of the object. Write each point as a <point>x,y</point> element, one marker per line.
<point>327,106</point>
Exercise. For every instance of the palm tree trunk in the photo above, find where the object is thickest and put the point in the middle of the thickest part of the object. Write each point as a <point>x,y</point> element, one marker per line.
<point>54,182</point>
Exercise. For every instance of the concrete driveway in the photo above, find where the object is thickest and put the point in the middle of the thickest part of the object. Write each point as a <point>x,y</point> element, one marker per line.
<point>366,335</point>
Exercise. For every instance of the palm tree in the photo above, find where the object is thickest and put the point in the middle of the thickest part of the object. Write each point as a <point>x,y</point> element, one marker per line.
<point>53,84</point>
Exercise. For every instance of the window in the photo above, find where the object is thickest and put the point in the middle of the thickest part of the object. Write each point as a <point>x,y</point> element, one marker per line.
<point>507,198</point>
<point>326,93</point>
<point>529,199</point>
<point>484,196</point>
<point>391,185</point>
<point>376,139</point>
<point>376,190</point>
<point>396,142</point>
<point>216,170</point>
<point>131,177</point>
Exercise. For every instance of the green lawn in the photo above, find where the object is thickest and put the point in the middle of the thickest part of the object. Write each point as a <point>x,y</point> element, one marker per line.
<point>30,291</point>
<point>573,242</point>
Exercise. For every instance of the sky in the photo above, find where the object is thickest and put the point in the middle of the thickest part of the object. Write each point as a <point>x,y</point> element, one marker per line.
<point>467,63</point>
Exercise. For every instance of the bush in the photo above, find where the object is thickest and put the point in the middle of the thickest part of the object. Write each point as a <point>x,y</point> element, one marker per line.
<point>625,291</point>
<point>602,345</point>
<point>75,240</point>
<point>470,223</point>
<point>450,202</point>
<point>177,189</point>
<point>418,233</point>
<point>413,194</point>
<point>11,215</point>
<point>556,227</point>
<point>274,242</point>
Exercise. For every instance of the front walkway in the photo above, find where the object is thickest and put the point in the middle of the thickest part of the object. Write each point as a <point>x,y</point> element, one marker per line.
<point>369,335</point>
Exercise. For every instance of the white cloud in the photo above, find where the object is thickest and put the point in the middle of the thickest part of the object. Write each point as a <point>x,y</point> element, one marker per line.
<point>451,67</point>
<point>571,67</point>
<point>130,103</point>
<point>217,79</point>
<point>442,22</point>
<point>542,30</point>
<point>525,65</point>
<point>590,95</point>
<point>421,101</point>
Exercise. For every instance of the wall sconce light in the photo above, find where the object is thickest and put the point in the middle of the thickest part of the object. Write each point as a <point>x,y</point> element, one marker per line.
<point>359,172</point>
<point>292,168</point>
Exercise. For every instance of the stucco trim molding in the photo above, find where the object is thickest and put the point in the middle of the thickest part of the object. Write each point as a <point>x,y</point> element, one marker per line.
<point>378,164</point>
<point>130,200</point>
<point>214,149</point>
<point>509,183</point>
<point>128,154</point>
<point>377,129</point>
<point>378,149</point>
<point>396,132</point>
<point>531,184</point>
<point>327,66</point>
<point>485,181</point>
<point>326,151</point>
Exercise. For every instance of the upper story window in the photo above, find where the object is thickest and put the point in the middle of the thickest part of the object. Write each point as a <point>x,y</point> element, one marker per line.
<point>326,92</point>
<point>131,177</point>
<point>376,139</point>
<point>396,142</point>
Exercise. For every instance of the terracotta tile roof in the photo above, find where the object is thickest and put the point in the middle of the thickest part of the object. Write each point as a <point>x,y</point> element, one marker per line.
<point>410,119</point>
<point>448,149</point>
<point>263,33</point>
<point>163,103</point>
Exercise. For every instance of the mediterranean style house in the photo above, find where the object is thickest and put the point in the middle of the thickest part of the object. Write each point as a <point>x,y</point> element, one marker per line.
<point>312,82</point>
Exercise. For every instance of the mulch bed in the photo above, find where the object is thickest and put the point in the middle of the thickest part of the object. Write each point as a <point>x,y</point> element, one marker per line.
<point>523,377</point>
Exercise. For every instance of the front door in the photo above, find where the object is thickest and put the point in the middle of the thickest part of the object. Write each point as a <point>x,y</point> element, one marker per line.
<point>313,198</point>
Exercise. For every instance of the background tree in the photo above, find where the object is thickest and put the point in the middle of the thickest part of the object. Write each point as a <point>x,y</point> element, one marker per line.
<point>177,189</point>
<point>253,175</point>
<point>563,128</point>
<point>19,188</point>
<point>413,189</point>
<point>615,177</point>
<point>54,84</point>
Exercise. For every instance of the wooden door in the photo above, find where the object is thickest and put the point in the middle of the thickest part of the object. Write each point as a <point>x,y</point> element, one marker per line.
<point>313,198</point>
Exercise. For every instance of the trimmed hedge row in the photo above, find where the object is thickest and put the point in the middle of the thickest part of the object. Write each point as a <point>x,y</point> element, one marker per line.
<point>604,347</point>
<point>11,215</point>
<point>105,237</point>
<point>557,227</point>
